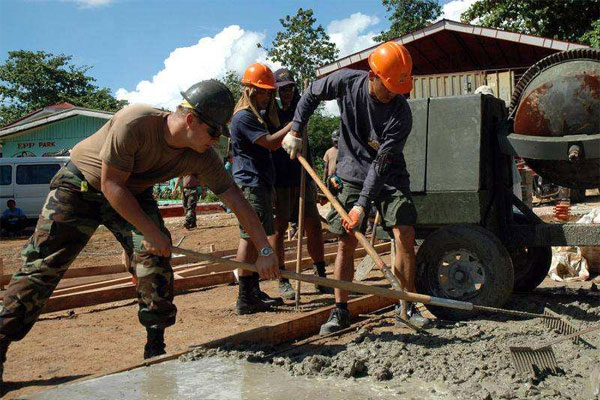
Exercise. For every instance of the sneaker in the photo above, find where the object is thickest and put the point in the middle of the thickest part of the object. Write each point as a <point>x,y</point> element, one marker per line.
<point>250,304</point>
<point>338,320</point>
<point>414,315</point>
<point>286,291</point>
<point>320,288</point>
<point>155,345</point>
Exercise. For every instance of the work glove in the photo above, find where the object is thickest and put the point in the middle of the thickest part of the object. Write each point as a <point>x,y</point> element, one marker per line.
<point>355,216</point>
<point>292,145</point>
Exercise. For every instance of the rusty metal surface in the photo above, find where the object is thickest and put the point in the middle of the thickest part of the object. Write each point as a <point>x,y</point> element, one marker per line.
<point>562,100</point>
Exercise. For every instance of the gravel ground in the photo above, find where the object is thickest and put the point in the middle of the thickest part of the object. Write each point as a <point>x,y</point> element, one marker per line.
<point>464,360</point>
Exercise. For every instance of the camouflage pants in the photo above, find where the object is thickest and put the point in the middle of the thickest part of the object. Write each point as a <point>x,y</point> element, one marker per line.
<point>67,221</point>
<point>190,201</point>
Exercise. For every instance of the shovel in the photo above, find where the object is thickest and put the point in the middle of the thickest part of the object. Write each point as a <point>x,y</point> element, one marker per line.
<point>367,263</point>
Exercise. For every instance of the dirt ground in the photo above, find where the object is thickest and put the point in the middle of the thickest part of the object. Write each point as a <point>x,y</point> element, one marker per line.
<point>68,345</point>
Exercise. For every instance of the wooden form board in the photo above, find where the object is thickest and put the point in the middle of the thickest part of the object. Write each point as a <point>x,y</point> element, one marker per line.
<point>122,290</point>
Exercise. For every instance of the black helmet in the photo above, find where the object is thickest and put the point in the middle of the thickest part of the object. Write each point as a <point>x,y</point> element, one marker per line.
<point>213,102</point>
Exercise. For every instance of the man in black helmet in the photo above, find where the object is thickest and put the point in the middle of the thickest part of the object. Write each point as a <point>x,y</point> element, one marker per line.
<point>109,181</point>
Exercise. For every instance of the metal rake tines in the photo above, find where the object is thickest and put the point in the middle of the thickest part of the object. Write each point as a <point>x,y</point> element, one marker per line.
<point>534,361</point>
<point>562,325</point>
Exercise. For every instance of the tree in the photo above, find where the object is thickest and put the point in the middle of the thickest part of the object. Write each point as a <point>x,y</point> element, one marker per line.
<point>31,80</point>
<point>408,16</point>
<point>234,83</point>
<point>301,46</point>
<point>569,20</point>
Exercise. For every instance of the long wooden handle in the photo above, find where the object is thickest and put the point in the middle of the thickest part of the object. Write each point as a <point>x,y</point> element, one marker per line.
<point>361,238</point>
<point>571,336</point>
<point>374,229</point>
<point>366,289</point>
<point>344,285</point>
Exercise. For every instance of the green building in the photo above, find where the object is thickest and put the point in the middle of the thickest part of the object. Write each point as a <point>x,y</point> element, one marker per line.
<point>50,130</point>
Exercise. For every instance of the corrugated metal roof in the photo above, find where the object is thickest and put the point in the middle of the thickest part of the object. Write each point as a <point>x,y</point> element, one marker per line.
<point>57,116</point>
<point>40,112</point>
<point>449,46</point>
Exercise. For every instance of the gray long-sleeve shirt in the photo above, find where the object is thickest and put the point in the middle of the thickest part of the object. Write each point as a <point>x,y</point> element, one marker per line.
<point>372,134</point>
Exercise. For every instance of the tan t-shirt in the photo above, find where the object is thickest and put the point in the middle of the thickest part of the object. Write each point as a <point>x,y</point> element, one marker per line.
<point>133,141</point>
<point>330,158</point>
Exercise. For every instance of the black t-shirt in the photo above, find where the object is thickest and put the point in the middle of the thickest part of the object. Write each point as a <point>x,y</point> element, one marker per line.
<point>287,172</point>
<point>252,163</point>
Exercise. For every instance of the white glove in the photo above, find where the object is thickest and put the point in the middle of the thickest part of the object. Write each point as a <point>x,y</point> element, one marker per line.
<point>292,145</point>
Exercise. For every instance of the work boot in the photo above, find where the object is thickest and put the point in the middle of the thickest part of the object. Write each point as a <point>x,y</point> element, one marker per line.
<point>248,301</point>
<point>155,344</point>
<point>414,316</point>
<point>338,319</point>
<point>319,270</point>
<point>3,350</point>
<point>265,298</point>
<point>285,290</point>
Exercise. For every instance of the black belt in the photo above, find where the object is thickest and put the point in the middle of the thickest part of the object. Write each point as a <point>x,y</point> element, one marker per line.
<point>74,170</point>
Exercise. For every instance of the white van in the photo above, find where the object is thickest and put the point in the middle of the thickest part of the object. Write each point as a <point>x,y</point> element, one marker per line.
<point>27,181</point>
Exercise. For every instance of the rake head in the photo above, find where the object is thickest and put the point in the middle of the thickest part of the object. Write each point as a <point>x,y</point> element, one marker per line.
<point>561,325</point>
<point>532,361</point>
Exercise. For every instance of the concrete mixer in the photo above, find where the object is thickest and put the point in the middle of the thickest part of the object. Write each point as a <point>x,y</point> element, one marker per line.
<point>478,241</point>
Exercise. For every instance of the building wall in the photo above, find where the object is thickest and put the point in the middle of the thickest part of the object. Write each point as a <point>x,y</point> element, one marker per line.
<point>501,82</point>
<point>51,138</point>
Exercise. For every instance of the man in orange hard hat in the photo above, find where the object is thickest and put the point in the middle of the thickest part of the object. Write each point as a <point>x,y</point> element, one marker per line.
<point>375,123</point>
<point>254,116</point>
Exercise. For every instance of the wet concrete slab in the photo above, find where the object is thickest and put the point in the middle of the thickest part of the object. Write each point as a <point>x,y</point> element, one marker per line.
<point>227,379</point>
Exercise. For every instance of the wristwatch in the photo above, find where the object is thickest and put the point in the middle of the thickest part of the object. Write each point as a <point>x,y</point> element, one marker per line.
<point>265,251</point>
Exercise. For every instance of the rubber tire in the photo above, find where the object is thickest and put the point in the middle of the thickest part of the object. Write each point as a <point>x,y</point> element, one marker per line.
<point>496,261</point>
<point>577,196</point>
<point>531,270</point>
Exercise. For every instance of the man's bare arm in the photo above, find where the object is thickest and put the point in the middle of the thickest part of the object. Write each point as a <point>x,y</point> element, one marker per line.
<point>122,200</point>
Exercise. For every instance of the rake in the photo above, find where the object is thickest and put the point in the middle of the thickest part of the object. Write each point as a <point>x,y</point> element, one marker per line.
<point>536,360</point>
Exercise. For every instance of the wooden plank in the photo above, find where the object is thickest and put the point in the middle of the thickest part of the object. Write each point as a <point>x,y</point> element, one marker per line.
<point>103,295</point>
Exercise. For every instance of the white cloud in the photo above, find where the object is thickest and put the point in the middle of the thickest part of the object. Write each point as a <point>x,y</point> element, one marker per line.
<point>232,49</point>
<point>453,9</point>
<point>348,34</point>
<point>90,3</point>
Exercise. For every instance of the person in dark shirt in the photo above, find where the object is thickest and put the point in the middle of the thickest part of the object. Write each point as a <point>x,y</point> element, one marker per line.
<point>12,219</point>
<point>375,123</point>
<point>287,192</point>
<point>254,172</point>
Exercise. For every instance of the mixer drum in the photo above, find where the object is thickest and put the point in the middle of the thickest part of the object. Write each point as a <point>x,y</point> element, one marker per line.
<point>559,97</point>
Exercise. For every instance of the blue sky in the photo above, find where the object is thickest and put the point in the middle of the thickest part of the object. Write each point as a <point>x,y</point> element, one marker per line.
<point>147,50</point>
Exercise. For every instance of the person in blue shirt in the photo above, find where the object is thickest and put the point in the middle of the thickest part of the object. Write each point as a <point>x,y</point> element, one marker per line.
<point>254,116</point>
<point>375,123</point>
<point>287,192</point>
<point>12,219</point>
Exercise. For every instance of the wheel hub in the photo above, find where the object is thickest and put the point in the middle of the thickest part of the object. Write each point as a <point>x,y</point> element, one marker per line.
<point>461,274</point>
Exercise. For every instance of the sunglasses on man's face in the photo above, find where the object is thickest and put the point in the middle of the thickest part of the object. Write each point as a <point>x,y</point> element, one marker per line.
<point>286,89</point>
<point>212,131</point>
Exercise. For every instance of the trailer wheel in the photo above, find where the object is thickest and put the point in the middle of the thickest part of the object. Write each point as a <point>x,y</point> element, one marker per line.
<point>531,266</point>
<point>467,263</point>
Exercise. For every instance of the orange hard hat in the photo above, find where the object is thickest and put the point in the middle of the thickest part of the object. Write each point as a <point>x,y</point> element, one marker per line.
<point>259,75</point>
<point>392,63</point>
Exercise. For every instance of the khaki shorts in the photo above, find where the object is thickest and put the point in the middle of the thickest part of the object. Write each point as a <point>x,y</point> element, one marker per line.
<point>396,209</point>
<point>287,202</point>
<point>260,198</point>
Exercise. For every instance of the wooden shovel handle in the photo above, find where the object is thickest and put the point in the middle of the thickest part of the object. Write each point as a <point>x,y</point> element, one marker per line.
<point>361,238</point>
